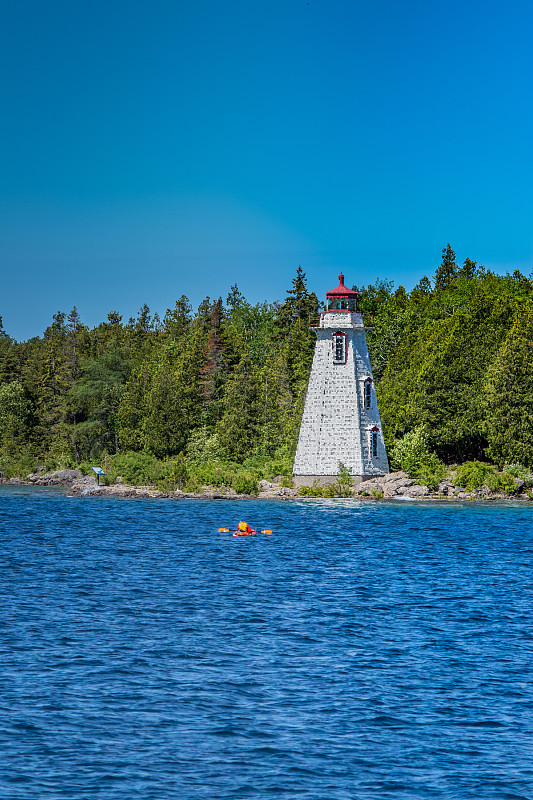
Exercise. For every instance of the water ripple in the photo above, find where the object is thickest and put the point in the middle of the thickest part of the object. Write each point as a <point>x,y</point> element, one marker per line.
<point>361,651</point>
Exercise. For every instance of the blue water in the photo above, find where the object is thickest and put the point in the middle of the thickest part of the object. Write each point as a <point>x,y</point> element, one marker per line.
<point>364,650</point>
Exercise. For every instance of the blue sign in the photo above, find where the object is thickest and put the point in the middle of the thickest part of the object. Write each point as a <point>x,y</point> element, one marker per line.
<point>98,470</point>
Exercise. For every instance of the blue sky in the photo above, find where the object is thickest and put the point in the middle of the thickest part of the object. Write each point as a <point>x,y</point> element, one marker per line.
<point>154,149</point>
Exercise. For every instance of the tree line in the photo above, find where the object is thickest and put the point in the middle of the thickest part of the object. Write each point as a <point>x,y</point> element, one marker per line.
<point>225,385</point>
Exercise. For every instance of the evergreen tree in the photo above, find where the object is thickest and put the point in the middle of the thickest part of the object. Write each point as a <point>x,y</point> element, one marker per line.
<point>447,269</point>
<point>239,428</point>
<point>423,286</point>
<point>213,372</point>
<point>95,400</point>
<point>15,414</point>
<point>235,300</point>
<point>299,304</point>
<point>468,270</point>
<point>177,320</point>
<point>509,395</point>
<point>172,407</point>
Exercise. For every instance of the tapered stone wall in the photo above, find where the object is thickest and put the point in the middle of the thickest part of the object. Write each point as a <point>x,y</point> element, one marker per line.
<point>336,427</point>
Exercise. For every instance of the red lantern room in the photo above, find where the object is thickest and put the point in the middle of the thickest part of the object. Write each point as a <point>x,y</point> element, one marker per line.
<point>341,298</point>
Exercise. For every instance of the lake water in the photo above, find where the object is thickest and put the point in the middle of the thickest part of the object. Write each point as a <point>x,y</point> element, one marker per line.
<point>364,650</point>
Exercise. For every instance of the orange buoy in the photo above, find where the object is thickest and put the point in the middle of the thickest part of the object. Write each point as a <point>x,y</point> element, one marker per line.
<point>267,531</point>
<point>223,530</point>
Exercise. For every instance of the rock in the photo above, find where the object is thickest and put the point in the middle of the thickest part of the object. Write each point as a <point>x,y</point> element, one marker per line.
<point>61,477</point>
<point>445,487</point>
<point>395,476</point>
<point>396,483</point>
<point>418,491</point>
<point>519,483</point>
<point>366,487</point>
<point>264,486</point>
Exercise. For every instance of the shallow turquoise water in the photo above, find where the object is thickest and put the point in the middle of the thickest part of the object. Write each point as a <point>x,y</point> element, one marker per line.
<point>364,650</point>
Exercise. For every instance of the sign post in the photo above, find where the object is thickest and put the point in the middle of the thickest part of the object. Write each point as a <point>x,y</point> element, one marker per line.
<point>98,471</point>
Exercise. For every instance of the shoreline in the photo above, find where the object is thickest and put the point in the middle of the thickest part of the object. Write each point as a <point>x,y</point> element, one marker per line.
<point>394,486</point>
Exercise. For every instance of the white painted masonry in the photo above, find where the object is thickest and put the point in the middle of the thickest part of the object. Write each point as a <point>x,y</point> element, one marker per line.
<point>335,424</point>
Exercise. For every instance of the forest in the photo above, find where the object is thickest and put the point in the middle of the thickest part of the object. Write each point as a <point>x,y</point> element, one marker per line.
<point>215,396</point>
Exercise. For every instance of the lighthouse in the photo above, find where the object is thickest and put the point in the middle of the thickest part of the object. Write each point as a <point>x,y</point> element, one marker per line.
<point>340,422</point>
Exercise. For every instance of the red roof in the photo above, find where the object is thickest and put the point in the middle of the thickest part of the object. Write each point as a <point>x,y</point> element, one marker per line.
<point>341,290</point>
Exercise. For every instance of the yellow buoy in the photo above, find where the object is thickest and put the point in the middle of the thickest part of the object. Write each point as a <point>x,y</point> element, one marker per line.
<point>267,531</point>
<point>223,530</point>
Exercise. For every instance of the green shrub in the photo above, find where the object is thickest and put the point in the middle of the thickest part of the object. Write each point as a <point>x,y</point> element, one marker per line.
<point>412,454</point>
<point>208,475</point>
<point>475,474</point>
<point>432,474</point>
<point>173,475</point>
<point>501,482</point>
<point>507,483</point>
<point>86,468</point>
<point>245,484</point>
<point>135,468</point>
<point>410,451</point>
<point>19,466</point>
<point>331,490</point>
<point>519,471</point>
<point>376,494</point>
<point>343,486</point>
<point>193,486</point>
<point>311,491</point>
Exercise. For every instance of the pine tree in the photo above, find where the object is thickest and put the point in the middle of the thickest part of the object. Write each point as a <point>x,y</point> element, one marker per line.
<point>213,372</point>
<point>235,300</point>
<point>468,270</point>
<point>447,269</point>
<point>299,304</point>
<point>176,321</point>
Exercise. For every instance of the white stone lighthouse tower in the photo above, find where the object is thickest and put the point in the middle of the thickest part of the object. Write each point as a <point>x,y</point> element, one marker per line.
<point>341,421</point>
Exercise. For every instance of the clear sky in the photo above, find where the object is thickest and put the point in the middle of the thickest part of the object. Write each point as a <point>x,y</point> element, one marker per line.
<point>150,149</point>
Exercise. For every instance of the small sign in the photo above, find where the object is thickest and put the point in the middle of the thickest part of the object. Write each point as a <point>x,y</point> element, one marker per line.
<point>98,471</point>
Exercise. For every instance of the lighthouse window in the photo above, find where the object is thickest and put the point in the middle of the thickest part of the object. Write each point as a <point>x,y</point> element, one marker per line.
<point>339,348</point>
<point>368,394</point>
<point>374,443</point>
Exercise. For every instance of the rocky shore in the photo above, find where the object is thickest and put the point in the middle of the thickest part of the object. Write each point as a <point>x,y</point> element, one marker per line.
<point>399,484</point>
<point>395,485</point>
<point>76,484</point>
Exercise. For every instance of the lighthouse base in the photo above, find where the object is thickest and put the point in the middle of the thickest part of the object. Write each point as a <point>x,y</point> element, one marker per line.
<point>327,480</point>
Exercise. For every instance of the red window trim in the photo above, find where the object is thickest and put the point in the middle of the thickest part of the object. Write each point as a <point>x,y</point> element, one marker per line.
<point>368,382</point>
<point>340,333</point>
<point>374,432</point>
